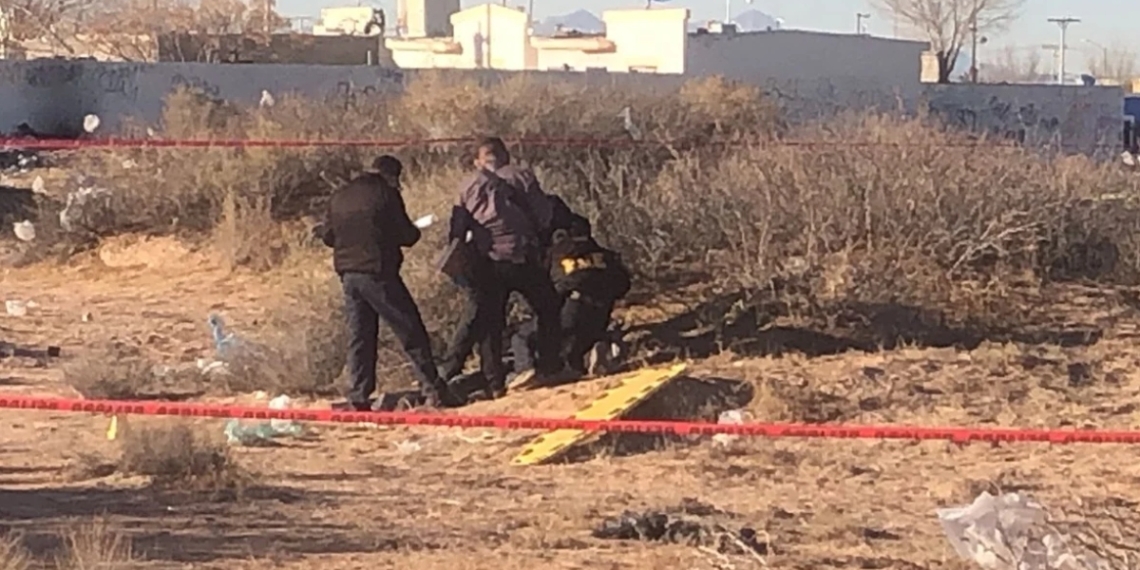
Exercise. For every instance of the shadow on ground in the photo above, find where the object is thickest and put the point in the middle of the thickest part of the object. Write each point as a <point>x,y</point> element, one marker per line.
<point>748,327</point>
<point>269,522</point>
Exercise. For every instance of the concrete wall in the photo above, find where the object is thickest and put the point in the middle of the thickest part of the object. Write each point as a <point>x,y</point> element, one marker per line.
<point>1079,119</point>
<point>53,96</point>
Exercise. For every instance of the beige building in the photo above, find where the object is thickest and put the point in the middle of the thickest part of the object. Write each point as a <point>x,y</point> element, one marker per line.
<point>491,36</point>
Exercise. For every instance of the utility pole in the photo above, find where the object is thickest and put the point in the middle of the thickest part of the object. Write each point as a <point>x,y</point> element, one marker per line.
<point>859,17</point>
<point>974,40</point>
<point>1062,23</point>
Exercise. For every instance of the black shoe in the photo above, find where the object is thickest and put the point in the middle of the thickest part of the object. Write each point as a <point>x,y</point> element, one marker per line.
<point>443,397</point>
<point>496,390</point>
<point>352,407</point>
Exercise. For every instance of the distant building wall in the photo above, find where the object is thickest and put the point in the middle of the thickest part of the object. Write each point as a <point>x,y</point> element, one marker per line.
<point>1080,119</point>
<point>813,75</point>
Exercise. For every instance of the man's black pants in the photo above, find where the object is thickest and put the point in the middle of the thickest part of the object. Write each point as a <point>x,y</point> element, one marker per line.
<point>368,299</point>
<point>584,322</point>
<point>485,319</point>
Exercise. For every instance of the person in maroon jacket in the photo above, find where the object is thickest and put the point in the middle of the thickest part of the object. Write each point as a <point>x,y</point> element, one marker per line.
<point>503,209</point>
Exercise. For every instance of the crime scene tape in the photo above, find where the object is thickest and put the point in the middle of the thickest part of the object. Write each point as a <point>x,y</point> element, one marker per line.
<point>155,143</point>
<point>953,434</point>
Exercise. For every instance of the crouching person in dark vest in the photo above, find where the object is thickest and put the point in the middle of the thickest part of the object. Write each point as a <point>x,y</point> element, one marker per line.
<point>590,279</point>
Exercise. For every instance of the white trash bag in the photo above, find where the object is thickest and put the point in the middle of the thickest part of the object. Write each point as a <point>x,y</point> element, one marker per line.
<point>1010,532</point>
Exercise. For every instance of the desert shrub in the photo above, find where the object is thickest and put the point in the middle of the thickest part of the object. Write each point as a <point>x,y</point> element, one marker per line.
<point>114,372</point>
<point>176,456</point>
<point>876,210</point>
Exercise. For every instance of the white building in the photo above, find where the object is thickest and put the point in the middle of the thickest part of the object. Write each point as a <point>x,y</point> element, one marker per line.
<point>349,21</point>
<point>491,36</point>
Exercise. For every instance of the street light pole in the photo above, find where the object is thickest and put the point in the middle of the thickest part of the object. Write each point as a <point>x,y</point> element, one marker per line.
<point>1062,23</point>
<point>1104,56</point>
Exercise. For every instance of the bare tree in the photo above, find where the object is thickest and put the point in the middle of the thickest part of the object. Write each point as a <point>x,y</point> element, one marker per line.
<point>54,21</point>
<point>1116,62</point>
<point>949,24</point>
<point>134,29</point>
<point>1010,66</point>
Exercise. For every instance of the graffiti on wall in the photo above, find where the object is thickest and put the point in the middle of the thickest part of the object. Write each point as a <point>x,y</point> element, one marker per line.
<point>811,99</point>
<point>1076,119</point>
<point>349,94</point>
<point>118,80</point>
<point>50,75</point>
<point>195,84</point>
<point>1001,119</point>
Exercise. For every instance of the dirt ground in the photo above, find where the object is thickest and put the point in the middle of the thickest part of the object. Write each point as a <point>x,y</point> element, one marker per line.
<point>355,497</point>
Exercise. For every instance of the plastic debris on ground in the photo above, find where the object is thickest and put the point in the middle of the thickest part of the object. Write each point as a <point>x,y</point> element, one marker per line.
<point>660,526</point>
<point>731,417</point>
<point>1011,532</point>
<point>261,433</point>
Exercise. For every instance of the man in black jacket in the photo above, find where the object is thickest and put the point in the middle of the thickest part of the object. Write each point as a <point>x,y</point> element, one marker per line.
<point>367,226</point>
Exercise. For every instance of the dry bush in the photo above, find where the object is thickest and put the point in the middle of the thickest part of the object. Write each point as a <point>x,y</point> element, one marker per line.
<point>13,555</point>
<point>175,456</point>
<point>881,211</point>
<point>301,345</point>
<point>94,545</point>
<point>117,373</point>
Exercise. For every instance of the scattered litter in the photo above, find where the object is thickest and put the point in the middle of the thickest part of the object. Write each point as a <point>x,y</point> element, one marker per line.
<point>626,115</point>
<point>282,402</point>
<point>1011,532</point>
<point>38,185</point>
<point>483,437</point>
<point>80,207</point>
<point>224,343</point>
<point>260,433</point>
<point>129,163</point>
<point>86,317</point>
<point>658,526</point>
<point>408,447</point>
<point>426,221</point>
<point>207,366</point>
<point>24,230</point>
<point>266,99</point>
<point>16,308</point>
<point>90,123</point>
<point>731,417</point>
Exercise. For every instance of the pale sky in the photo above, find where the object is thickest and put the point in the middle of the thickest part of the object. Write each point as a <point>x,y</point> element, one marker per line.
<point>1106,22</point>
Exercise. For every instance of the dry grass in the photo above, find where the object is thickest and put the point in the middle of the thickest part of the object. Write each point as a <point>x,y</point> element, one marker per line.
<point>13,555</point>
<point>89,545</point>
<point>883,212</point>
<point>175,456</point>
<point>95,545</point>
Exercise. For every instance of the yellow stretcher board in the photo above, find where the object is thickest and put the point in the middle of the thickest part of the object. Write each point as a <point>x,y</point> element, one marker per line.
<point>634,389</point>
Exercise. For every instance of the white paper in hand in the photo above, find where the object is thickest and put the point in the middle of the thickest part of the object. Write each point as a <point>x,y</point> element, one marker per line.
<point>425,221</point>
